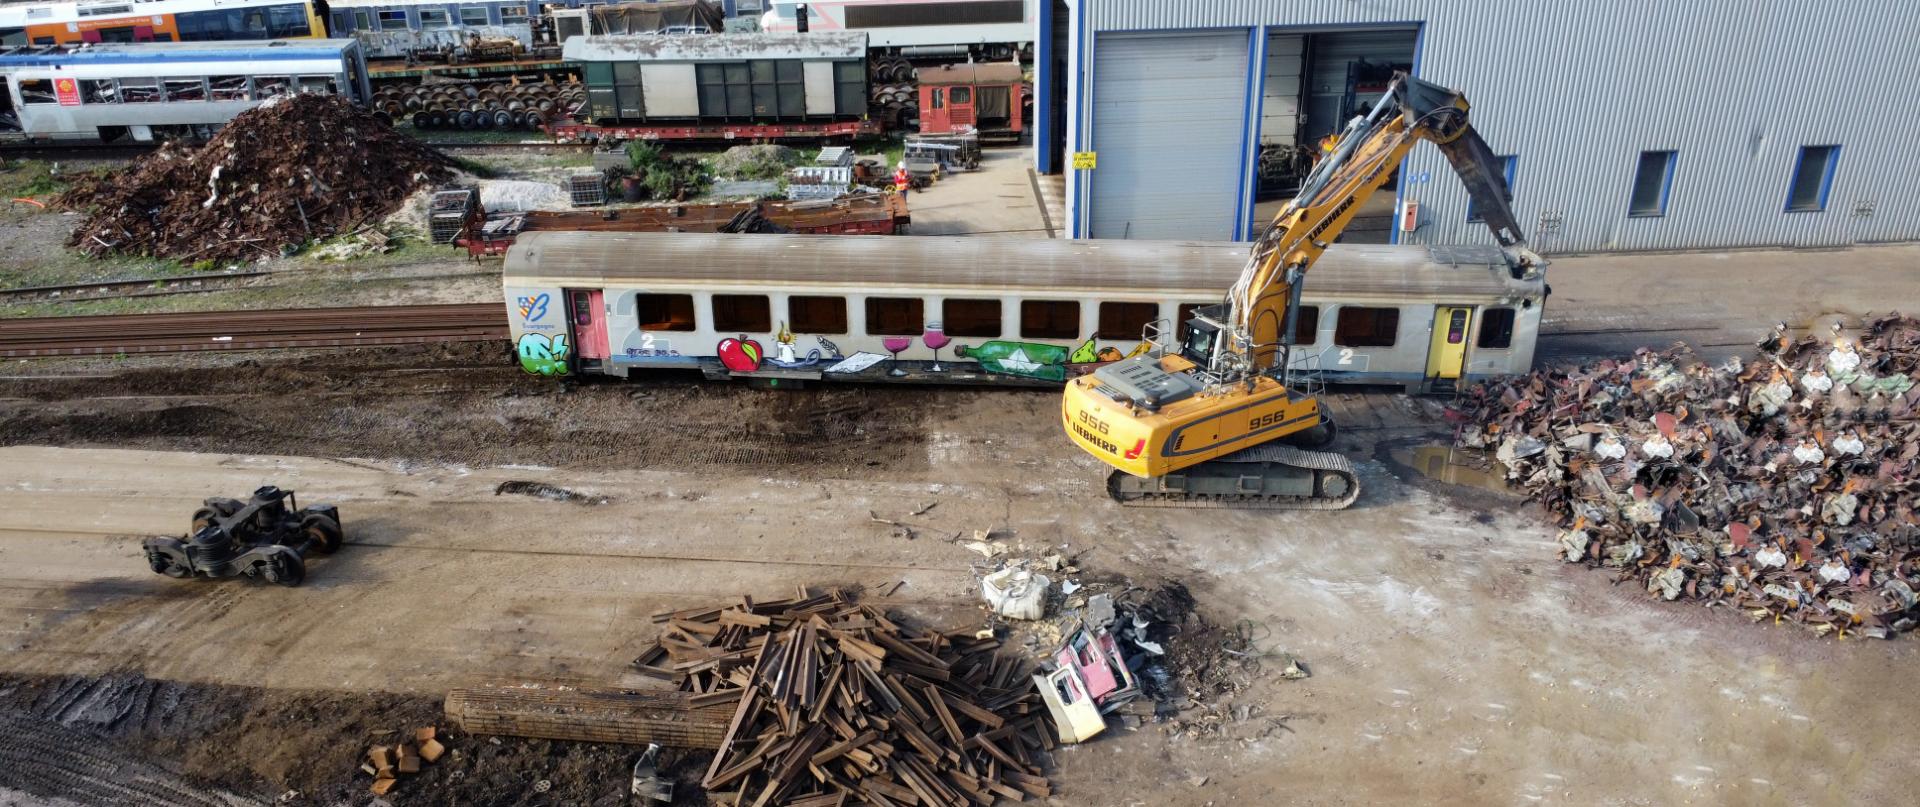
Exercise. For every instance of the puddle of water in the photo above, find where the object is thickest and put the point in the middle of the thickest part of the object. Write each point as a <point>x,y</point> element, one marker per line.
<point>1443,463</point>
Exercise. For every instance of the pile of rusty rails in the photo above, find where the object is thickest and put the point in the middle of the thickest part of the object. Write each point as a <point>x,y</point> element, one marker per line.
<point>251,330</point>
<point>489,234</point>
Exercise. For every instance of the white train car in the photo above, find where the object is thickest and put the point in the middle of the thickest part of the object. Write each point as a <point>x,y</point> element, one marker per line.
<point>75,22</point>
<point>798,308</point>
<point>995,30</point>
<point>179,89</point>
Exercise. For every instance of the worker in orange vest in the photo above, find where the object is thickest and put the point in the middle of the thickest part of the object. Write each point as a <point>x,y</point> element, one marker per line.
<point>901,179</point>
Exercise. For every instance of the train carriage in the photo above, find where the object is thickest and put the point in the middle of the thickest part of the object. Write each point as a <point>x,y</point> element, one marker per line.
<point>985,310</point>
<point>97,21</point>
<point>179,89</point>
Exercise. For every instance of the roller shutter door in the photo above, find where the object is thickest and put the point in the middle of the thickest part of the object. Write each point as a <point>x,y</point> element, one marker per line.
<point>1168,115</point>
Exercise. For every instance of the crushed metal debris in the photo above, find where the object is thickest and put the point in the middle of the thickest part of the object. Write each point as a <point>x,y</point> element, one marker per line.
<point>296,170</point>
<point>1784,487</point>
<point>834,702</point>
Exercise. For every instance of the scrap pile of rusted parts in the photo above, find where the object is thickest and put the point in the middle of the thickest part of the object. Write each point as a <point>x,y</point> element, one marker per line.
<point>836,703</point>
<point>298,169</point>
<point>1784,486</point>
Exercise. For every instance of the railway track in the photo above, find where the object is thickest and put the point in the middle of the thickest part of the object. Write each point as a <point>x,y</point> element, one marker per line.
<point>251,330</point>
<point>125,151</point>
<point>112,289</point>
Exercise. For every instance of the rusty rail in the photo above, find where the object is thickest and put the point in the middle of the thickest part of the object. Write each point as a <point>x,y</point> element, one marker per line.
<point>602,716</point>
<point>251,330</point>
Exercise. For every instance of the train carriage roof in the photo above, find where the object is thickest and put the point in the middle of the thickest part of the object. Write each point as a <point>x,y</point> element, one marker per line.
<point>879,261</point>
<point>146,52</point>
<point>715,47</point>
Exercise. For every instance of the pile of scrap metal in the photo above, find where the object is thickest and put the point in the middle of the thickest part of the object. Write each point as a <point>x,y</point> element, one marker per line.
<point>857,214</point>
<point>295,170</point>
<point>835,702</point>
<point>1784,487</point>
<point>1108,658</point>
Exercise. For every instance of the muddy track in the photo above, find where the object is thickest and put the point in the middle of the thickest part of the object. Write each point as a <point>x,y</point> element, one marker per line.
<point>466,404</point>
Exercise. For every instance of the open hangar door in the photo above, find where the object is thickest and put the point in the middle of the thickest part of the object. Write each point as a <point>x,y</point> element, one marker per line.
<point>1314,83</point>
<point>1169,112</point>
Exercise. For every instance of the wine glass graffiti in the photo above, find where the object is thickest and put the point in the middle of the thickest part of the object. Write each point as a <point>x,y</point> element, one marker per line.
<point>935,337</point>
<point>894,345</point>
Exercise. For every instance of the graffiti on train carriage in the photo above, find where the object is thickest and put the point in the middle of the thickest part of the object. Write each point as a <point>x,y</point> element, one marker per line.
<point>541,355</point>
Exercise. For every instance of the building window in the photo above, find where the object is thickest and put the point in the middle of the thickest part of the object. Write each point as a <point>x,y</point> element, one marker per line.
<point>473,15</point>
<point>1050,319</point>
<point>1496,329</point>
<point>977,318</point>
<point>895,316</point>
<point>1507,163</point>
<point>513,14</point>
<point>1812,178</point>
<point>663,312</point>
<point>1359,326</point>
<point>434,18</point>
<point>743,313</point>
<point>393,20</point>
<point>826,315</point>
<point>1125,320</point>
<point>1652,183</point>
<point>1306,329</point>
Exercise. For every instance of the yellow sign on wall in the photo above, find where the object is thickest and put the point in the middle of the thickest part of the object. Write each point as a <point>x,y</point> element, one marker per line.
<point>1084,160</point>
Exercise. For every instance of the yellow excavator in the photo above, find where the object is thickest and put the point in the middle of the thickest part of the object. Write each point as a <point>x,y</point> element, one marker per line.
<point>1214,419</point>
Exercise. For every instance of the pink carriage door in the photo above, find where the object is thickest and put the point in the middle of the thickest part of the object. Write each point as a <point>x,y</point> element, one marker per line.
<point>589,326</point>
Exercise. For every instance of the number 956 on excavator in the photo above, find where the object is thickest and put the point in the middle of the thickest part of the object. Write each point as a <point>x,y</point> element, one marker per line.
<point>1225,415</point>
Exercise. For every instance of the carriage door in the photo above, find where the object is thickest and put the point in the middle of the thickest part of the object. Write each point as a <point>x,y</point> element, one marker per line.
<point>1447,354</point>
<point>960,107</point>
<point>589,318</point>
<point>933,112</point>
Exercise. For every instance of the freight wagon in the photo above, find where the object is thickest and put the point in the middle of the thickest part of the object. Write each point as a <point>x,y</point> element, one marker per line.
<point>759,86</point>
<point>950,310</point>
<point>176,89</point>
<point>488,234</point>
<point>984,30</point>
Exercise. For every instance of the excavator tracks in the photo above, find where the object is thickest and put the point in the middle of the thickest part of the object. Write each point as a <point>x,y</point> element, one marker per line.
<point>1287,478</point>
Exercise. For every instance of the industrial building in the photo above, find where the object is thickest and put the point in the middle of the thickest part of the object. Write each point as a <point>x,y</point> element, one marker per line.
<point>1641,126</point>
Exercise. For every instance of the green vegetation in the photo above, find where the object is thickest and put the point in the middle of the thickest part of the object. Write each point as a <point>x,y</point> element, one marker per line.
<point>30,179</point>
<point>666,176</point>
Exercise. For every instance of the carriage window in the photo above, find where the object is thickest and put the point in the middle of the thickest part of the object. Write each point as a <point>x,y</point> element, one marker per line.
<point>513,14</point>
<point>1359,326</point>
<point>139,90</point>
<point>1496,329</point>
<point>960,95</point>
<point>817,314</point>
<point>363,21</point>
<point>434,18</point>
<point>318,84</point>
<point>1186,312</point>
<point>185,89</point>
<point>1307,330</point>
<point>37,91</point>
<point>1050,319</point>
<point>266,87</point>
<point>746,313</point>
<point>663,312</point>
<point>473,15</point>
<point>1125,320</point>
<point>970,317</point>
<point>287,22</point>
<point>939,98</point>
<point>393,20</point>
<point>895,316</point>
<point>99,91</point>
<point>227,88</point>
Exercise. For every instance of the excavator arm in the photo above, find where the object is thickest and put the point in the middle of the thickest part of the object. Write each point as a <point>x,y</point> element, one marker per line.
<point>1264,302</point>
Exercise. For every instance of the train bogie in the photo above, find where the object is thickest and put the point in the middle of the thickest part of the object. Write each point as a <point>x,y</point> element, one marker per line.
<point>985,311</point>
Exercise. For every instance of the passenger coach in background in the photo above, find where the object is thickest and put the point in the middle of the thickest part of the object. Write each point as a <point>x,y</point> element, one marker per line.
<point>950,310</point>
<point>176,89</point>
<point>158,21</point>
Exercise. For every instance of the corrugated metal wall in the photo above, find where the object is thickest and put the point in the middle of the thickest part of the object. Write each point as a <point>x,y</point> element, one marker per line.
<point>1578,90</point>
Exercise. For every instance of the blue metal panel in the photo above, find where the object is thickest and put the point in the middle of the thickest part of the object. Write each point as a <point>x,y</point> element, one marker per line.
<point>1681,76</point>
<point>1043,91</point>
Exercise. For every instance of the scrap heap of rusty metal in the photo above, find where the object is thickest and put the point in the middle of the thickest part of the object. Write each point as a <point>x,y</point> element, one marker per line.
<point>1784,486</point>
<point>298,169</point>
<point>834,703</point>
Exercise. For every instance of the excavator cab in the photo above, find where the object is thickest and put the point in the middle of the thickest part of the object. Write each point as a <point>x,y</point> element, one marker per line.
<point>1201,336</point>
